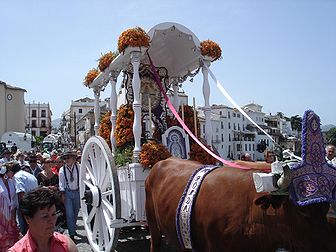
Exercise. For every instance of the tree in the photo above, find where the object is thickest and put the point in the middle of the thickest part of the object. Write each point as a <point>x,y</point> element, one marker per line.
<point>331,136</point>
<point>280,114</point>
<point>296,123</point>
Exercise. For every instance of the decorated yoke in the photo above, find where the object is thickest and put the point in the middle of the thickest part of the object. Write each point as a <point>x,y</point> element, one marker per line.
<point>313,180</point>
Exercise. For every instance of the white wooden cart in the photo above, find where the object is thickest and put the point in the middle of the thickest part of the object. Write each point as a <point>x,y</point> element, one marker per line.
<point>111,197</point>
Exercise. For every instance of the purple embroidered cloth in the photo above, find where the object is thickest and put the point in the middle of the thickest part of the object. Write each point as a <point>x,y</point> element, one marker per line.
<point>313,180</point>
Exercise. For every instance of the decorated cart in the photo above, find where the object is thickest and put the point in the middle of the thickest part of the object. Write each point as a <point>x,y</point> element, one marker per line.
<point>169,53</point>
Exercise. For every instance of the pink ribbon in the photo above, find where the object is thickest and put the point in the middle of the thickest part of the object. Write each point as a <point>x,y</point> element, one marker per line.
<point>184,126</point>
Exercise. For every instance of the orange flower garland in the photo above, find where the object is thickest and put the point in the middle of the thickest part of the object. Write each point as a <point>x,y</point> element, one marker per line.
<point>134,37</point>
<point>105,128</point>
<point>124,126</point>
<point>211,49</point>
<point>198,154</point>
<point>151,153</point>
<point>90,76</point>
<point>106,59</point>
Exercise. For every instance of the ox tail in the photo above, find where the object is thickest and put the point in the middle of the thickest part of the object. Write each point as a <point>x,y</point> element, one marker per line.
<point>151,219</point>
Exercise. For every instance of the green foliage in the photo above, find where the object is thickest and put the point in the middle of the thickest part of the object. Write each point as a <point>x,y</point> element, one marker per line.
<point>123,156</point>
<point>296,123</point>
<point>331,136</point>
<point>39,139</point>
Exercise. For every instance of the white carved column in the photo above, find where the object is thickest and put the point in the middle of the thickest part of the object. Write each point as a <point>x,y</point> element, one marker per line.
<point>176,101</point>
<point>207,109</point>
<point>96,92</point>
<point>113,106</point>
<point>135,60</point>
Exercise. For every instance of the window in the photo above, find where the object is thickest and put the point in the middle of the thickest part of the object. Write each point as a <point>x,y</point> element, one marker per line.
<point>234,126</point>
<point>238,147</point>
<point>253,147</point>
<point>34,113</point>
<point>249,147</point>
<point>34,123</point>
<point>245,147</point>
<point>33,132</point>
<point>238,126</point>
<point>222,125</point>
<point>222,138</point>
<point>229,125</point>
<point>234,114</point>
<point>229,138</point>
<point>43,113</point>
<point>204,128</point>
<point>220,112</point>
<point>43,123</point>
<point>238,115</point>
<point>80,111</point>
<point>229,116</point>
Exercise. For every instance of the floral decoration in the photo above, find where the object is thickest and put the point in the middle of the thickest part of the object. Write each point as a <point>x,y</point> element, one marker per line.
<point>106,59</point>
<point>211,49</point>
<point>90,76</point>
<point>105,128</point>
<point>124,126</point>
<point>153,152</point>
<point>135,37</point>
<point>198,154</point>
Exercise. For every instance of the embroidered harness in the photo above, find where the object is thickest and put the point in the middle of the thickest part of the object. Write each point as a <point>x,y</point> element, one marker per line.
<point>185,206</point>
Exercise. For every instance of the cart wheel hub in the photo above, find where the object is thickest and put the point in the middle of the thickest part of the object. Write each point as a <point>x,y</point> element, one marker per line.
<point>93,197</point>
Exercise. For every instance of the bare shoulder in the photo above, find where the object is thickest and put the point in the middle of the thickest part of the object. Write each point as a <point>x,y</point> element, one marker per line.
<point>72,246</point>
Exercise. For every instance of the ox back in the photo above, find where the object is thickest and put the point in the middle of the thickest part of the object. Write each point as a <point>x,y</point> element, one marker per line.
<point>229,215</point>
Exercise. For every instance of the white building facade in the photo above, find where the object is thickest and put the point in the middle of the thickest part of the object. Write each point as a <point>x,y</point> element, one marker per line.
<point>234,135</point>
<point>38,119</point>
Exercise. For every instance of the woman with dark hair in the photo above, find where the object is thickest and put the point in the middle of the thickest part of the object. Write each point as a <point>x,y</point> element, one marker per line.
<point>39,210</point>
<point>47,177</point>
<point>9,232</point>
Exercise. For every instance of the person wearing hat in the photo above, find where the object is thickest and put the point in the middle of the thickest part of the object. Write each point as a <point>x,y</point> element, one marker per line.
<point>9,233</point>
<point>24,182</point>
<point>21,159</point>
<point>69,188</point>
<point>34,166</point>
<point>6,156</point>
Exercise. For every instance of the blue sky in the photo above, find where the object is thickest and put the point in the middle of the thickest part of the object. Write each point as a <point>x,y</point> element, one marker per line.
<point>280,54</point>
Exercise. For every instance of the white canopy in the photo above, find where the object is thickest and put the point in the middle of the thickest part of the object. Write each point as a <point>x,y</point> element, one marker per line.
<point>172,46</point>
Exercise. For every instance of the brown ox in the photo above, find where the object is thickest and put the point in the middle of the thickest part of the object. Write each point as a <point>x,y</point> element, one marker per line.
<point>226,216</point>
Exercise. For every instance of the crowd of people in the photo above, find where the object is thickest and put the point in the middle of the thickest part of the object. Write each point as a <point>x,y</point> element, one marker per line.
<point>39,191</point>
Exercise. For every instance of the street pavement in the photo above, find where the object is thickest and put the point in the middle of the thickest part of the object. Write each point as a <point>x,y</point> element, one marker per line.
<point>134,239</point>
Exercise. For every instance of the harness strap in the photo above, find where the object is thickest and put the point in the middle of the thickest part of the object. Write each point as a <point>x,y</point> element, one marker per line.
<point>185,206</point>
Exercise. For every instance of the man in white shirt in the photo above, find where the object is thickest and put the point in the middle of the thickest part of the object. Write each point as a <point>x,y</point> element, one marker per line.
<point>24,182</point>
<point>69,187</point>
<point>330,155</point>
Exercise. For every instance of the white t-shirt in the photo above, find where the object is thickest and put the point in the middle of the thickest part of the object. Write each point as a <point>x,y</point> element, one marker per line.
<point>24,181</point>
